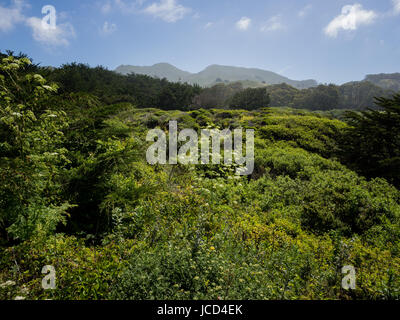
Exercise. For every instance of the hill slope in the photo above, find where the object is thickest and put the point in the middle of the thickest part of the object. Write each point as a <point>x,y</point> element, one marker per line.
<point>389,81</point>
<point>214,73</point>
<point>159,70</point>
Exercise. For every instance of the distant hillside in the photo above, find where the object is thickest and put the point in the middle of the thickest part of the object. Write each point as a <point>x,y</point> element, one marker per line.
<point>358,95</point>
<point>389,81</point>
<point>352,95</point>
<point>159,70</point>
<point>214,74</point>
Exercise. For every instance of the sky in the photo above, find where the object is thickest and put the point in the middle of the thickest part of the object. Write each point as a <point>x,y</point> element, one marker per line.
<point>331,41</point>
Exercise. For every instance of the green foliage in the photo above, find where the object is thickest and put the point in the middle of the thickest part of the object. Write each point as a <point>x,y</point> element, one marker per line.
<point>217,96</point>
<point>250,99</point>
<point>112,88</point>
<point>359,95</point>
<point>319,98</point>
<point>283,159</point>
<point>90,187</point>
<point>173,272</point>
<point>77,193</point>
<point>372,143</point>
<point>179,271</point>
<point>31,153</point>
<point>82,272</point>
<point>314,134</point>
<point>281,94</point>
<point>342,201</point>
<point>351,96</point>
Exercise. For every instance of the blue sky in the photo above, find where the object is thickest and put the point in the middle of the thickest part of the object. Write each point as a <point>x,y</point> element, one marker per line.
<point>326,40</point>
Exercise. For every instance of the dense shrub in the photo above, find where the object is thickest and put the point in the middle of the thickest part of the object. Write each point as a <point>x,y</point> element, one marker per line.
<point>250,99</point>
<point>114,226</point>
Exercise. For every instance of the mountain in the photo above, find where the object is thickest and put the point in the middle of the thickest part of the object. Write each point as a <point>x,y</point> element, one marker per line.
<point>214,74</point>
<point>159,70</point>
<point>389,81</point>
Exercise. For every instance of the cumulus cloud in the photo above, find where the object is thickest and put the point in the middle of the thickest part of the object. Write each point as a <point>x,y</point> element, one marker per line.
<point>167,10</point>
<point>273,24</point>
<point>108,28</point>
<point>243,23</point>
<point>9,17</point>
<point>352,17</point>
<point>43,33</point>
<point>396,6</point>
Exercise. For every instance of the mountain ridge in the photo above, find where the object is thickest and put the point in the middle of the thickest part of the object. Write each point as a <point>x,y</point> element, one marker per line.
<point>389,81</point>
<point>213,74</point>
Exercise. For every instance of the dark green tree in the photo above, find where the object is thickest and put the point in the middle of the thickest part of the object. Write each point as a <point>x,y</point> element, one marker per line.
<point>372,144</point>
<point>323,97</point>
<point>250,99</point>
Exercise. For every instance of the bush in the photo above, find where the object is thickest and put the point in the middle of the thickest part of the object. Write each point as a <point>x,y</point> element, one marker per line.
<point>82,272</point>
<point>250,99</point>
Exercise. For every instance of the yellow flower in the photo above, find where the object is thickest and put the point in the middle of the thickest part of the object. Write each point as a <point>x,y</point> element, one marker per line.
<point>212,248</point>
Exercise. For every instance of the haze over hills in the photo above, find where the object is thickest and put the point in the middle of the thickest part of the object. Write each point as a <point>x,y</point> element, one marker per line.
<point>389,81</point>
<point>214,74</point>
<point>251,77</point>
<point>159,70</point>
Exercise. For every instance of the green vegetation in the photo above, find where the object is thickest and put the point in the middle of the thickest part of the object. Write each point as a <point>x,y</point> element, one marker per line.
<point>110,88</point>
<point>217,96</point>
<point>250,99</point>
<point>77,193</point>
<point>373,145</point>
<point>389,81</point>
<point>351,96</point>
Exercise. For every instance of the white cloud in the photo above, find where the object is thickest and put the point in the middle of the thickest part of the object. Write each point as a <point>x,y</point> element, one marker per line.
<point>167,10</point>
<point>208,25</point>
<point>58,36</point>
<point>351,18</point>
<point>128,6</point>
<point>243,23</point>
<point>9,17</point>
<point>303,12</point>
<point>396,6</point>
<point>108,28</point>
<point>41,32</point>
<point>273,24</point>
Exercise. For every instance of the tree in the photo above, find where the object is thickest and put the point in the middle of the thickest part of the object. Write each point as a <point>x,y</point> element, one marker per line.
<point>372,144</point>
<point>250,99</point>
<point>282,94</point>
<point>359,95</point>
<point>141,90</point>
<point>217,96</point>
<point>323,97</point>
